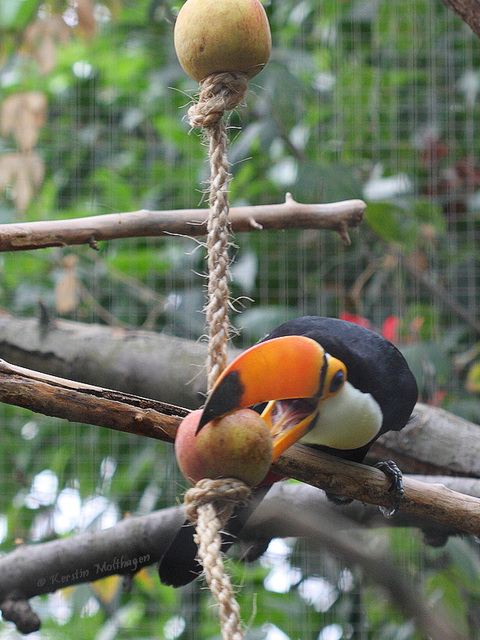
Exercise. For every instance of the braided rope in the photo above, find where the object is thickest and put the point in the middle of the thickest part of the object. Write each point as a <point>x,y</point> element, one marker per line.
<point>219,92</point>
<point>209,505</point>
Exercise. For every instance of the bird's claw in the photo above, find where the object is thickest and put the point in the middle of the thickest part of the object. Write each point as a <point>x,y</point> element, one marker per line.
<point>394,474</point>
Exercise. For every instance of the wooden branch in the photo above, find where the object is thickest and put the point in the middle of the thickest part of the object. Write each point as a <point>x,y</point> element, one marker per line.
<point>331,533</point>
<point>113,410</point>
<point>371,485</point>
<point>171,370</point>
<point>468,10</point>
<point>34,569</point>
<point>124,549</point>
<point>434,442</point>
<point>145,363</point>
<point>288,510</point>
<point>78,402</point>
<point>338,216</point>
<point>279,515</point>
<point>291,500</point>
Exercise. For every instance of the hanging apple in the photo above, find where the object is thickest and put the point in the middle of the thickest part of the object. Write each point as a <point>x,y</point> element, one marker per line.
<point>238,445</point>
<point>222,35</point>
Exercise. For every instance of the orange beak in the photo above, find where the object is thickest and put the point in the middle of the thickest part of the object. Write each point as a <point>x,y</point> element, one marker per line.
<point>294,368</point>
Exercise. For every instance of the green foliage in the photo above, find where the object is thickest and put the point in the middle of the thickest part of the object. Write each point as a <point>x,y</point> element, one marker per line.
<point>344,109</point>
<point>15,14</point>
<point>407,224</point>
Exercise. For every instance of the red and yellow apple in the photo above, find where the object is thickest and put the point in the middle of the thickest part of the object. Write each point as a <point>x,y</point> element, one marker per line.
<point>238,445</point>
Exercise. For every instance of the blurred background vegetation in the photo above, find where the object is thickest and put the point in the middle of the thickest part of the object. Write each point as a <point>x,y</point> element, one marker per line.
<point>361,99</point>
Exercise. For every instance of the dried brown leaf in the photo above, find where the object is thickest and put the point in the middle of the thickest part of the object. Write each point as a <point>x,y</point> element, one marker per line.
<point>67,288</point>
<point>86,17</point>
<point>46,55</point>
<point>8,164</point>
<point>32,34</point>
<point>23,173</point>
<point>57,28</point>
<point>24,114</point>
<point>8,113</point>
<point>41,39</point>
<point>22,190</point>
<point>36,168</point>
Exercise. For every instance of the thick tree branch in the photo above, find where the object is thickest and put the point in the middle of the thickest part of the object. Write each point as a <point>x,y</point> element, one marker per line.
<point>330,532</point>
<point>434,442</point>
<point>368,484</point>
<point>468,10</point>
<point>291,500</point>
<point>124,549</point>
<point>137,542</point>
<point>171,370</point>
<point>78,402</point>
<point>145,363</point>
<point>34,569</point>
<point>93,405</point>
<point>338,216</point>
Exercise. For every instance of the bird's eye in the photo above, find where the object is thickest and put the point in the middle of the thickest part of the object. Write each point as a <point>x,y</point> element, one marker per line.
<point>336,382</point>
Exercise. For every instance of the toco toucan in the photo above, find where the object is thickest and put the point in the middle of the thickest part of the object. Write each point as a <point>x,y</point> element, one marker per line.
<point>327,383</point>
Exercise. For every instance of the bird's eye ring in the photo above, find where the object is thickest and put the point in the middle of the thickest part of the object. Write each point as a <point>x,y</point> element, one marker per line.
<point>336,382</point>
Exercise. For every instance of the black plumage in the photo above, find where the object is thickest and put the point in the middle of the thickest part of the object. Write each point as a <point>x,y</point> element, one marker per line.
<point>374,366</point>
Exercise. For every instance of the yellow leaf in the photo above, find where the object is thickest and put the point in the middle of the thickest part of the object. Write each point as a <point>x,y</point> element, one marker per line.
<point>145,579</point>
<point>473,378</point>
<point>107,588</point>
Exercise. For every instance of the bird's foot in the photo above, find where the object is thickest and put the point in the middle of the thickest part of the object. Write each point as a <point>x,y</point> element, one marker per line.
<point>394,474</point>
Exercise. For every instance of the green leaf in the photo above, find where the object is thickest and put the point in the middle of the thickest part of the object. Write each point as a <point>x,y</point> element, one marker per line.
<point>429,213</point>
<point>14,14</point>
<point>466,563</point>
<point>389,221</point>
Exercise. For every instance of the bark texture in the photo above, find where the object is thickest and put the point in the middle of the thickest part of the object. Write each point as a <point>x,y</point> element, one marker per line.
<point>144,363</point>
<point>337,216</point>
<point>171,370</point>
<point>468,10</point>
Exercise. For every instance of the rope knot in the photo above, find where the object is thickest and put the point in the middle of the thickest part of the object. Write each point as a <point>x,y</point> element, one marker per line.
<point>223,494</point>
<point>209,506</point>
<point>219,92</point>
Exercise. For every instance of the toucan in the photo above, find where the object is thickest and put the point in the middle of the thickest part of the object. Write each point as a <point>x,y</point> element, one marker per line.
<point>325,382</point>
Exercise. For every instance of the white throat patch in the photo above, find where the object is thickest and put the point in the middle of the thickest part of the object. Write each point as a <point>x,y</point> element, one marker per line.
<point>347,420</point>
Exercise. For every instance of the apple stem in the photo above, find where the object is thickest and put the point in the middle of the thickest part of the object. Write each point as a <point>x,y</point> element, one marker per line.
<point>209,505</point>
<point>219,92</point>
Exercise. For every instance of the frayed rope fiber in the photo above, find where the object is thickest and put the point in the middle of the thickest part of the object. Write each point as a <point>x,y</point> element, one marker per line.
<point>210,504</point>
<point>219,92</point>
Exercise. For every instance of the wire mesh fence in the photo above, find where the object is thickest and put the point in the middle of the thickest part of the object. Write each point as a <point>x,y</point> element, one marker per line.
<point>373,100</point>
